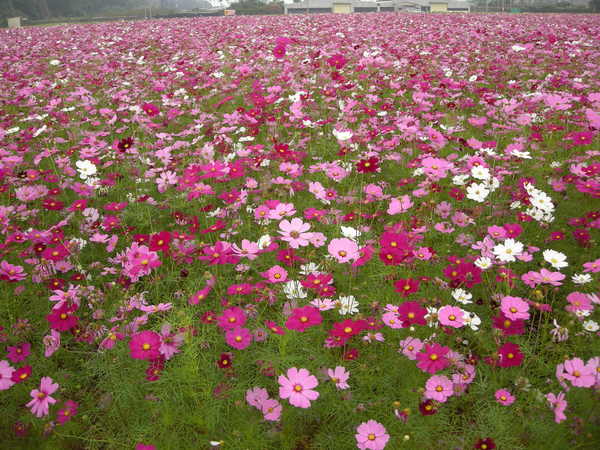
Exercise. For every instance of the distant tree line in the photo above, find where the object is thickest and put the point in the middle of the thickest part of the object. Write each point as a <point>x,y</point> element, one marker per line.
<point>46,9</point>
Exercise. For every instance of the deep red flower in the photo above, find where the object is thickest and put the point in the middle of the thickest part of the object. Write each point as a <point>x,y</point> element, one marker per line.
<point>485,444</point>
<point>427,408</point>
<point>225,360</point>
<point>509,327</point>
<point>63,319</point>
<point>510,355</point>
<point>406,286</point>
<point>160,241</point>
<point>368,165</point>
<point>412,313</point>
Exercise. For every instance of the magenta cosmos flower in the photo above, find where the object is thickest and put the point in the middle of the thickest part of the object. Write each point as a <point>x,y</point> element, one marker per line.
<point>438,388</point>
<point>298,387</point>
<point>433,358</point>
<point>41,398</point>
<point>451,316</point>
<point>303,318</point>
<point>145,345</point>
<point>371,435</point>
<point>515,308</point>
<point>294,232</point>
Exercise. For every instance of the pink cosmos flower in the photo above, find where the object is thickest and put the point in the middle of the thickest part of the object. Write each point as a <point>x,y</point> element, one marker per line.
<point>294,232</point>
<point>515,308</point>
<point>41,398</point>
<point>10,272</point>
<point>578,302</point>
<point>578,373</point>
<point>256,396</point>
<point>276,274</point>
<point>51,343</point>
<point>344,250</point>
<point>433,358</point>
<point>298,387</point>
<point>232,318</point>
<point>303,318</point>
<point>248,249</point>
<point>6,373</point>
<point>170,342</point>
<point>552,278</point>
<point>65,414</point>
<point>145,345</point>
<point>339,376</point>
<point>592,266</point>
<point>371,435</point>
<point>451,316</point>
<point>239,338</point>
<point>271,409</point>
<point>410,347</point>
<point>504,397</point>
<point>439,388</point>
<point>558,404</point>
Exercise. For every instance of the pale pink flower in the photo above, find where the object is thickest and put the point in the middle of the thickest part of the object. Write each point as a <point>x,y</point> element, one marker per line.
<point>451,316</point>
<point>371,435</point>
<point>344,250</point>
<point>41,398</point>
<point>271,409</point>
<point>298,387</point>
<point>6,372</point>
<point>439,388</point>
<point>410,347</point>
<point>294,232</point>
<point>51,343</point>
<point>558,404</point>
<point>515,308</point>
<point>256,396</point>
<point>339,376</point>
<point>248,249</point>
<point>578,373</point>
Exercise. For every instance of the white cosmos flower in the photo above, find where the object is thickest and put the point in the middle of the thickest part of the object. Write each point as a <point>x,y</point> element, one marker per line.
<point>460,180</point>
<point>462,296</point>
<point>348,305</point>
<point>581,278</point>
<point>350,233</point>
<point>472,320</point>
<point>508,250</point>
<point>307,269</point>
<point>86,169</point>
<point>556,259</point>
<point>264,241</point>
<point>294,289</point>
<point>480,172</point>
<point>342,135</point>
<point>483,262</point>
<point>590,325</point>
<point>477,192</point>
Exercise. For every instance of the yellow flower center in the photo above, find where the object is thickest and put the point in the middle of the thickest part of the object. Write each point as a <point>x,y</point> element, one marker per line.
<point>146,346</point>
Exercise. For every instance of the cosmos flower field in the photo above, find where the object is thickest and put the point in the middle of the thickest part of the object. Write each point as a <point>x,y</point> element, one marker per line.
<point>301,232</point>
